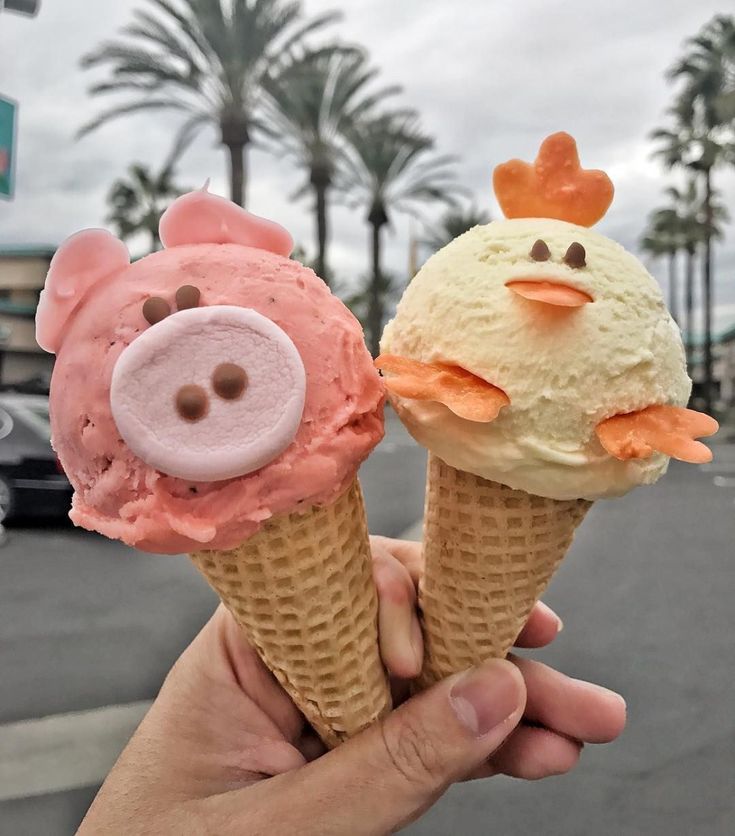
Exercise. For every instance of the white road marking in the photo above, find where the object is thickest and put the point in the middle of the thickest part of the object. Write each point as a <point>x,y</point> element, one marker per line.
<point>64,751</point>
<point>724,481</point>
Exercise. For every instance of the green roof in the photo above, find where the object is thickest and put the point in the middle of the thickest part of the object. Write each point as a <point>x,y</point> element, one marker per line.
<point>27,250</point>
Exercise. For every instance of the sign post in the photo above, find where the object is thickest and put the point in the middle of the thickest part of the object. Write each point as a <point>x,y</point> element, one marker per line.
<point>8,134</point>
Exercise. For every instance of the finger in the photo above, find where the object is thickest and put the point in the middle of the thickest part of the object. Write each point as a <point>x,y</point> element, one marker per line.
<point>542,627</point>
<point>571,707</point>
<point>401,644</point>
<point>532,753</point>
<point>407,552</point>
<point>387,776</point>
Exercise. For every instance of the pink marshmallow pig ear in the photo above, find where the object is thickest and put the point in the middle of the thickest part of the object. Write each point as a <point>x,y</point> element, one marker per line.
<point>203,218</point>
<point>81,261</point>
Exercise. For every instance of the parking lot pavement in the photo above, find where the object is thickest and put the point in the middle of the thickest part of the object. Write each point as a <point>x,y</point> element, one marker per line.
<point>645,595</point>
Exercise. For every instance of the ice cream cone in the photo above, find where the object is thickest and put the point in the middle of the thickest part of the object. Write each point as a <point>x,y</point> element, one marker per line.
<point>302,590</point>
<point>490,552</point>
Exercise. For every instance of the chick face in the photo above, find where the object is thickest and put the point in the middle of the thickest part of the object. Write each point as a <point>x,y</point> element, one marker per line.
<point>611,347</point>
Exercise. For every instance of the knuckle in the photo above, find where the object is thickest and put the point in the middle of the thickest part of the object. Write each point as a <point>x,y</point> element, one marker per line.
<point>413,754</point>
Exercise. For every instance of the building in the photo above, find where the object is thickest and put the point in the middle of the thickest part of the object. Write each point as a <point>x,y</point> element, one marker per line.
<point>22,273</point>
<point>723,367</point>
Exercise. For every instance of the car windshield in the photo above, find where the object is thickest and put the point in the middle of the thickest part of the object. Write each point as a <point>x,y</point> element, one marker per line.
<point>38,413</point>
<point>33,412</point>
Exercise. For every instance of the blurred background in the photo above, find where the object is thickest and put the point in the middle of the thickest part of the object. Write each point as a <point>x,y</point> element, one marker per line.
<point>369,129</point>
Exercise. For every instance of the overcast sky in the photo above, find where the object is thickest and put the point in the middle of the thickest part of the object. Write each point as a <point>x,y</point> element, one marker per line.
<point>490,77</point>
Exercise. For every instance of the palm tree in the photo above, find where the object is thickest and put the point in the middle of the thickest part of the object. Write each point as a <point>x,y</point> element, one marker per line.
<point>204,59</point>
<point>315,98</point>
<point>703,137</point>
<point>390,168</point>
<point>138,201</point>
<point>454,223</point>
<point>663,236</point>
<point>688,206</point>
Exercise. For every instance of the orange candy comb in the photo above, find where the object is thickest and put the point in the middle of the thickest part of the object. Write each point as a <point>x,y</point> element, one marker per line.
<point>554,186</point>
<point>467,395</point>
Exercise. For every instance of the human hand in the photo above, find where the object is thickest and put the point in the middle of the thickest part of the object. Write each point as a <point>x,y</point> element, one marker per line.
<point>224,750</point>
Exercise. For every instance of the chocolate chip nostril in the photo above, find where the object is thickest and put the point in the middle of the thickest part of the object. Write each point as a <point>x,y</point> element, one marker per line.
<point>155,309</point>
<point>187,296</point>
<point>192,402</point>
<point>229,381</point>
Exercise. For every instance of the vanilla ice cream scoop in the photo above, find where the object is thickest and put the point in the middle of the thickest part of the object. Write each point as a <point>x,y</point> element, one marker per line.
<point>566,330</point>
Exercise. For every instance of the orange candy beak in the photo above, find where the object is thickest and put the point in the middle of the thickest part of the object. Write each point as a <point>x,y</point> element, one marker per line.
<point>466,394</point>
<point>550,293</point>
<point>671,430</point>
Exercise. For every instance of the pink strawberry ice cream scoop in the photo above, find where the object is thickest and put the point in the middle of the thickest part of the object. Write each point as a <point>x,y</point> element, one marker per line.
<point>204,388</point>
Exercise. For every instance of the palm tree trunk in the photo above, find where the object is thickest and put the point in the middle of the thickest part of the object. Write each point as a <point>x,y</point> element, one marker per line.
<point>375,298</point>
<point>322,231</point>
<point>238,172</point>
<point>707,294</point>
<point>673,287</point>
<point>689,303</point>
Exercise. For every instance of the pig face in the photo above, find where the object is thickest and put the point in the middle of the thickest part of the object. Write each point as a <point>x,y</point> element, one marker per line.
<point>203,388</point>
<point>239,401</point>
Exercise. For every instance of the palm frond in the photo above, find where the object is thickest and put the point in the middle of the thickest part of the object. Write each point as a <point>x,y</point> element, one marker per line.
<point>126,109</point>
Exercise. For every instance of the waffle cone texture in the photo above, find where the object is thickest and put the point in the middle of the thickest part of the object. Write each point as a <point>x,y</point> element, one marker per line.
<point>303,592</point>
<point>489,552</point>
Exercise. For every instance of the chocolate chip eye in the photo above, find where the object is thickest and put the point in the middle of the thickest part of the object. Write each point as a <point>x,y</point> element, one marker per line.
<point>187,296</point>
<point>192,402</point>
<point>155,309</point>
<point>540,251</point>
<point>229,381</point>
<point>575,255</point>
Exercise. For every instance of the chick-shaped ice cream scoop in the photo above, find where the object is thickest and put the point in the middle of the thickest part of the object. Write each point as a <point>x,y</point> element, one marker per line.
<point>537,362</point>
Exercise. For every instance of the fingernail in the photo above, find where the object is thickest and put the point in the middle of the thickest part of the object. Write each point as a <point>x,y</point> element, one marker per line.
<point>485,697</point>
<point>417,645</point>
<point>559,622</point>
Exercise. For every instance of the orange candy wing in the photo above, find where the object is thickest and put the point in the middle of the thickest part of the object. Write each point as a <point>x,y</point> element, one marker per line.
<point>671,430</point>
<point>467,395</point>
<point>554,186</point>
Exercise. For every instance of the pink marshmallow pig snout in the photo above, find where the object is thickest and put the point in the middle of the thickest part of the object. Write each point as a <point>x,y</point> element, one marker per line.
<point>209,393</point>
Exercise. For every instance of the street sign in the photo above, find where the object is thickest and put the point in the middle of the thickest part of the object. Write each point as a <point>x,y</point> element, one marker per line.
<point>8,133</point>
<point>22,7</point>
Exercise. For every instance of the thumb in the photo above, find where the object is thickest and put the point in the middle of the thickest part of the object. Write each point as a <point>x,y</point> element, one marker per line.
<point>395,770</point>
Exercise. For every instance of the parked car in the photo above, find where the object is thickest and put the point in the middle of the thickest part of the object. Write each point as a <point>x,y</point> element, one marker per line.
<point>32,481</point>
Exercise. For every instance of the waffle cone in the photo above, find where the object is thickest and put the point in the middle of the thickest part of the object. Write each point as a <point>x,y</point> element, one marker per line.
<point>303,592</point>
<point>490,552</point>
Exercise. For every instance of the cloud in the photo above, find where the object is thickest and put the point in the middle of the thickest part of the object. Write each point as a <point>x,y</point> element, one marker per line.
<point>490,80</point>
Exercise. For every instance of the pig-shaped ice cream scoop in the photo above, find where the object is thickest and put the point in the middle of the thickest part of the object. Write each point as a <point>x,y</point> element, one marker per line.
<point>205,388</point>
<point>215,398</point>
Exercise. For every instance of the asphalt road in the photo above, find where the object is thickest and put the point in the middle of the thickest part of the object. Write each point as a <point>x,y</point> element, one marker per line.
<point>646,599</point>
